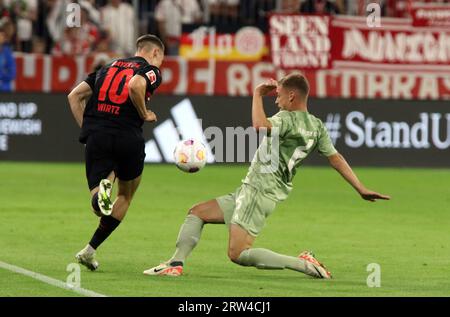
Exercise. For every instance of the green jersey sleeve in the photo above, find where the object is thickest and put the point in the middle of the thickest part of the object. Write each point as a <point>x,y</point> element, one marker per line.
<point>282,121</point>
<point>325,145</point>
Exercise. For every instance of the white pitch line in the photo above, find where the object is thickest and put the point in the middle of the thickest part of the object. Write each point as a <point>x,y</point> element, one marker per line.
<point>49,280</point>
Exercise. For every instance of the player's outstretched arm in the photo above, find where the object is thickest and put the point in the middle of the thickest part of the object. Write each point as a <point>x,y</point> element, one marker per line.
<point>259,118</point>
<point>77,100</point>
<point>338,162</point>
<point>137,88</point>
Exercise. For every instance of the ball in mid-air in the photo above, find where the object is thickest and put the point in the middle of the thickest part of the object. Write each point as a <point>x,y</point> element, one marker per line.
<point>190,155</point>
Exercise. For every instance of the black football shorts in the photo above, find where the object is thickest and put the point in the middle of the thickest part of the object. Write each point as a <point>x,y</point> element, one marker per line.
<point>106,152</point>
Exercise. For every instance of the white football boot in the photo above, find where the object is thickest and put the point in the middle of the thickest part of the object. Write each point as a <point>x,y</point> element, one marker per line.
<point>165,269</point>
<point>318,269</point>
<point>104,197</point>
<point>86,257</point>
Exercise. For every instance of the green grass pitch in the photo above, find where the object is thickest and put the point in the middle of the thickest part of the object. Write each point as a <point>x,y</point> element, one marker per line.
<point>46,219</point>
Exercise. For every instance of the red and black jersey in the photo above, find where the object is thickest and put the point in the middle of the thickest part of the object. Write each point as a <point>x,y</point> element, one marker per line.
<point>110,108</point>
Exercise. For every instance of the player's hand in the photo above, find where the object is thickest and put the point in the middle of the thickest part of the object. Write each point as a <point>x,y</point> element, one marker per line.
<point>150,117</point>
<point>264,88</point>
<point>372,196</point>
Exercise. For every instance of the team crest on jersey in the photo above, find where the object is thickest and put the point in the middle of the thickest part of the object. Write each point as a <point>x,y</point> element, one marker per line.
<point>151,76</point>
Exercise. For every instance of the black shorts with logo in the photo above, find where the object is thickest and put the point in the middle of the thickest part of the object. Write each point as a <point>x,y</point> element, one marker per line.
<point>107,152</point>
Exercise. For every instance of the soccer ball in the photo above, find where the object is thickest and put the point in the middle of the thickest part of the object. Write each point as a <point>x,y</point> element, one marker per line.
<point>190,155</point>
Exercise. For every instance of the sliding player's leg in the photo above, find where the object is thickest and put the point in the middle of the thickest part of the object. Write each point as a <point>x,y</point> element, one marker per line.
<point>215,211</point>
<point>189,236</point>
<point>240,251</point>
<point>252,209</point>
<point>190,231</point>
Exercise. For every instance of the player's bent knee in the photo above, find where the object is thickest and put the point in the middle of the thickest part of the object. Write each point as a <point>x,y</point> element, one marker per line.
<point>208,211</point>
<point>199,211</point>
<point>193,210</point>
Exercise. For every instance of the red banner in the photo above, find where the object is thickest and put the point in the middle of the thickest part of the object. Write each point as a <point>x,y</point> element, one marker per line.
<point>333,42</point>
<point>181,77</point>
<point>396,45</point>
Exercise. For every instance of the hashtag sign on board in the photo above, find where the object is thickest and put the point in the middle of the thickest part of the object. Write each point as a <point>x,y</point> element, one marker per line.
<point>333,125</point>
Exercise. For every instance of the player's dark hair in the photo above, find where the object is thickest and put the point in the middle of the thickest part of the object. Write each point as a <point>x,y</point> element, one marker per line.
<point>296,81</point>
<point>149,39</point>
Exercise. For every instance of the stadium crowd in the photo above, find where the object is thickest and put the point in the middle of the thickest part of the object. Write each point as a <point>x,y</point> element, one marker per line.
<point>108,28</point>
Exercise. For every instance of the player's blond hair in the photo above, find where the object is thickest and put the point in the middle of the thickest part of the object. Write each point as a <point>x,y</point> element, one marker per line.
<point>298,82</point>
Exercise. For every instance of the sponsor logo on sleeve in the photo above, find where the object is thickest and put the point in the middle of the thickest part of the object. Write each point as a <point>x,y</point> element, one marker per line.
<point>151,76</point>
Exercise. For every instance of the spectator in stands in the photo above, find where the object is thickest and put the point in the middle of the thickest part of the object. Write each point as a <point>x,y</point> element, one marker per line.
<point>168,14</point>
<point>25,14</point>
<point>79,40</point>
<point>7,64</point>
<point>119,19</point>
<point>319,7</point>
